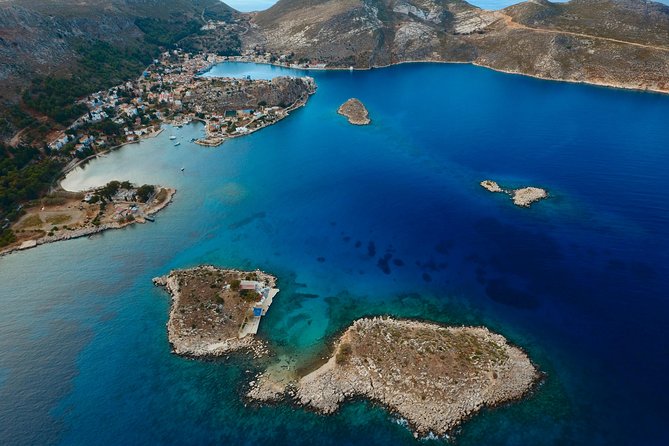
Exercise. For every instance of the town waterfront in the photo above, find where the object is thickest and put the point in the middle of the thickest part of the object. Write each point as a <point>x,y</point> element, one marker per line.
<point>578,280</point>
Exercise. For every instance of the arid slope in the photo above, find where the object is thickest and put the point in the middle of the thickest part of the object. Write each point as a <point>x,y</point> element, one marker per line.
<point>622,43</point>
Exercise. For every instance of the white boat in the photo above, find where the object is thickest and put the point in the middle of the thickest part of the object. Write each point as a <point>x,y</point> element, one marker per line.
<point>177,144</point>
<point>172,137</point>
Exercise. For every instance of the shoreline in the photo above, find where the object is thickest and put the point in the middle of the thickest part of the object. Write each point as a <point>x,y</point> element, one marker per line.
<point>615,86</point>
<point>69,168</point>
<point>244,59</point>
<point>89,231</point>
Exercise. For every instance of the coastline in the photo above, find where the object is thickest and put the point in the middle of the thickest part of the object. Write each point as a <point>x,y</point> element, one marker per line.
<point>86,232</point>
<point>80,163</point>
<point>617,86</point>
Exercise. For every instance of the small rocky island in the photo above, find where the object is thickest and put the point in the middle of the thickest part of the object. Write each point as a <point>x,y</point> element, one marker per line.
<point>216,311</point>
<point>523,197</point>
<point>355,111</point>
<point>63,215</point>
<point>431,375</point>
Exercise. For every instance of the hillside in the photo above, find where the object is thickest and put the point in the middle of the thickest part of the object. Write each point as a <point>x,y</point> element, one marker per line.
<point>623,43</point>
<point>63,48</point>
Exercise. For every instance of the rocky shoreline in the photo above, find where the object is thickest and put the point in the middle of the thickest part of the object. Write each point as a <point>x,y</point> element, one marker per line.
<point>355,111</point>
<point>433,376</point>
<point>209,310</point>
<point>522,197</point>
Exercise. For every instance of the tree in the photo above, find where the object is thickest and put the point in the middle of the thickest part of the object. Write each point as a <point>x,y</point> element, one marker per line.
<point>144,192</point>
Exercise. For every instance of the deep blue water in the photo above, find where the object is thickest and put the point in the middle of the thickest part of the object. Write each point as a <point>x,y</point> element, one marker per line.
<point>579,280</point>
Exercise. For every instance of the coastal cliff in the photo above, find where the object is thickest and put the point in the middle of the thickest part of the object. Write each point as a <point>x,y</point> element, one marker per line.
<point>433,376</point>
<point>619,43</point>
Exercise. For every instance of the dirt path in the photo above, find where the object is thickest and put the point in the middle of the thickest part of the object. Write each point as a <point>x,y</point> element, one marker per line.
<point>509,22</point>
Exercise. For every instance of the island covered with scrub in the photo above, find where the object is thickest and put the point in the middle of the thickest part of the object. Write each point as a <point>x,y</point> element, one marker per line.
<point>64,215</point>
<point>355,111</point>
<point>216,311</point>
<point>433,376</point>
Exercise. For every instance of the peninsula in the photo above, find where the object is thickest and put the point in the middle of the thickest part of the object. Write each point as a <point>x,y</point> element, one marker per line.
<point>355,111</point>
<point>237,107</point>
<point>522,197</point>
<point>431,375</point>
<point>64,215</point>
<point>216,311</point>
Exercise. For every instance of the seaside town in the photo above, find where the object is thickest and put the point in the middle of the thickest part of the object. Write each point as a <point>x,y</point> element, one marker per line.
<point>173,90</point>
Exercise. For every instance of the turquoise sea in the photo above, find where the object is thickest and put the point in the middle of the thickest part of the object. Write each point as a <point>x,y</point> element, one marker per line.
<point>384,219</point>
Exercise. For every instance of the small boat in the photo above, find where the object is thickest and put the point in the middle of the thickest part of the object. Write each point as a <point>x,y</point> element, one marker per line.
<point>177,144</point>
<point>172,137</point>
<point>182,169</point>
<point>151,219</point>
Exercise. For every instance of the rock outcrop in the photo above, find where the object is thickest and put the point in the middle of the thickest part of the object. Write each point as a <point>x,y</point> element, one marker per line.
<point>527,195</point>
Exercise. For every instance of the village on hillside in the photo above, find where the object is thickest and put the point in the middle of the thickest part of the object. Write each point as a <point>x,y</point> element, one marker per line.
<point>173,90</point>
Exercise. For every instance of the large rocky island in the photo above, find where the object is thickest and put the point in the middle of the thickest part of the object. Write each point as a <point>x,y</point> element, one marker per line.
<point>216,311</point>
<point>433,376</point>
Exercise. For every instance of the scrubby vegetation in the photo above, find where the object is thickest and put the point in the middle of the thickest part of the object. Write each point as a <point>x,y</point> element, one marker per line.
<point>25,174</point>
<point>101,65</point>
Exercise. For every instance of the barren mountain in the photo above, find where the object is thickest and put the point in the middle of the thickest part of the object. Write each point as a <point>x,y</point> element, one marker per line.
<point>622,43</point>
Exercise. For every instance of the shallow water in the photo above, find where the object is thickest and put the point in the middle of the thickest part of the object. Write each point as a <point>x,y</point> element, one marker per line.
<point>578,280</point>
